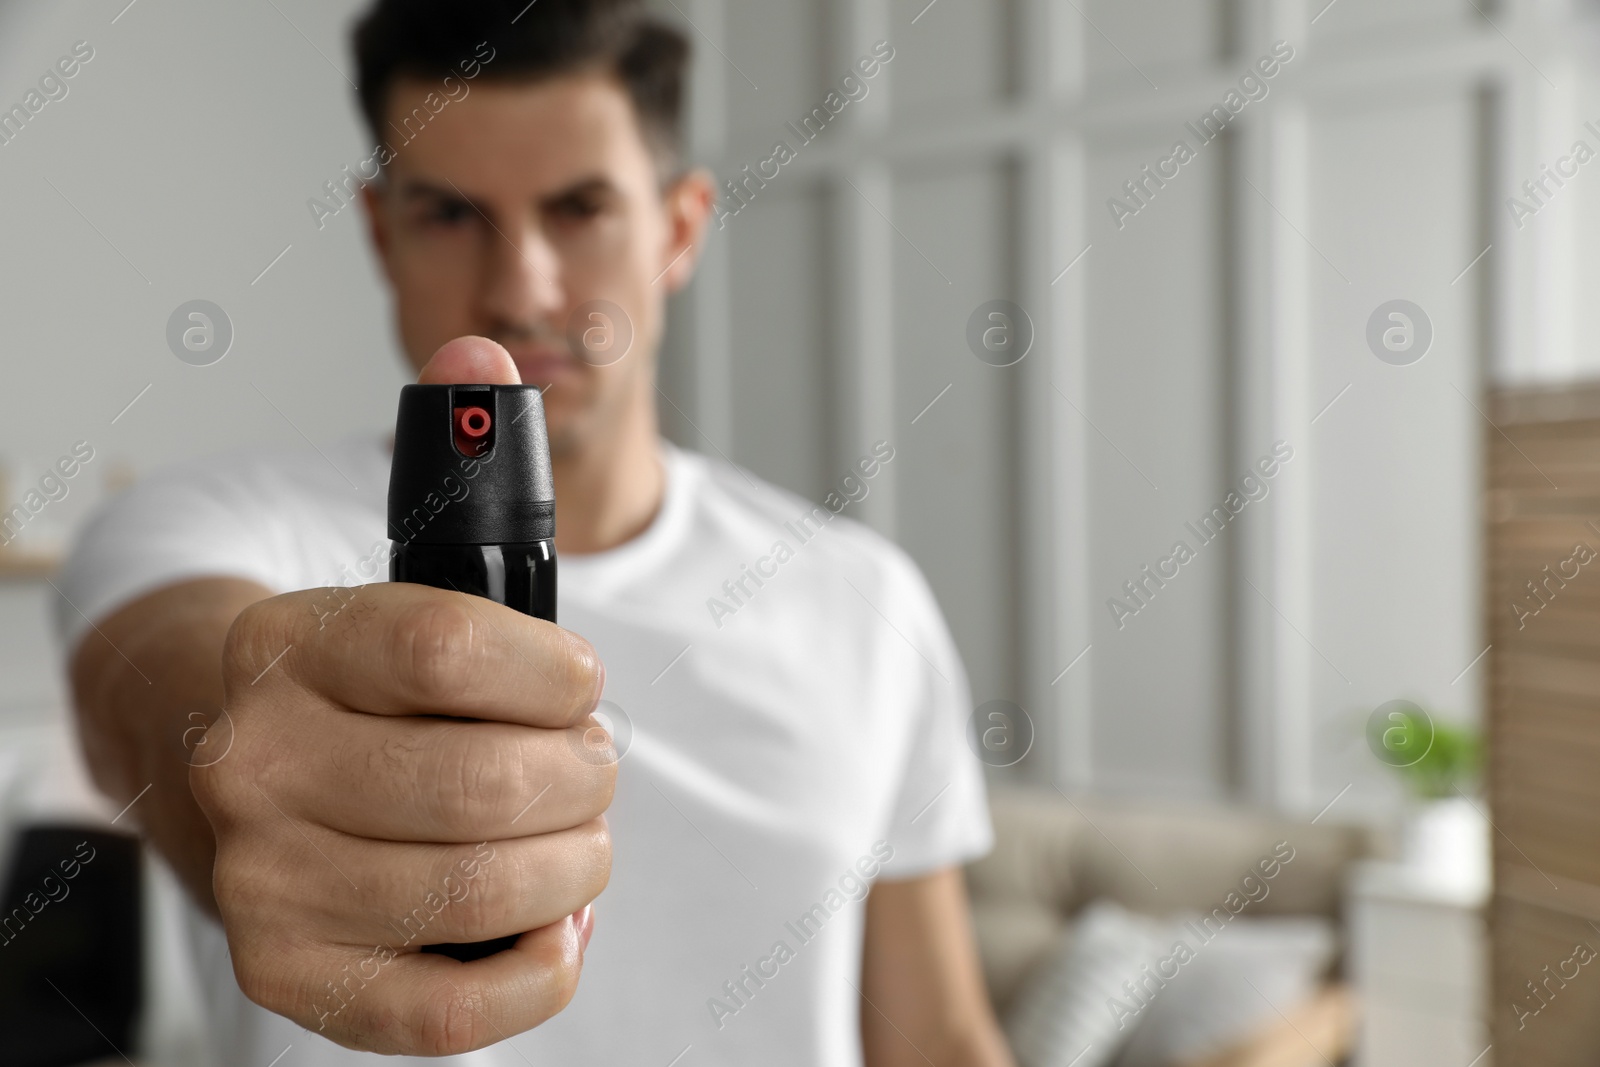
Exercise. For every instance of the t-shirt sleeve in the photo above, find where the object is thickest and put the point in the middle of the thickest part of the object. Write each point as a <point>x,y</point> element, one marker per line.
<point>182,523</point>
<point>940,816</point>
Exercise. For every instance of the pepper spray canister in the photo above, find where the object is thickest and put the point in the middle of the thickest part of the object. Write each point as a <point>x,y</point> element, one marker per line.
<point>472,507</point>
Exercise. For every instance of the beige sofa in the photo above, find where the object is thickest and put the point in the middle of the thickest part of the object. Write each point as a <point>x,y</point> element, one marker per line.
<point>1053,855</point>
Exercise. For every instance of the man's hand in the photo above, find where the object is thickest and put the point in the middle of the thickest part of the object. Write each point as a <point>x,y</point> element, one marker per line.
<point>411,774</point>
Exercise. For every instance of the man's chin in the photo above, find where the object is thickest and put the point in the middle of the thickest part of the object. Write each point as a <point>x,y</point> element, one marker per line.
<point>564,429</point>
<point>566,443</point>
<point>576,421</point>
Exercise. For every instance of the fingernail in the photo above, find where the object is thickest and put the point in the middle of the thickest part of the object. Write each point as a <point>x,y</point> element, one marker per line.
<point>585,921</point>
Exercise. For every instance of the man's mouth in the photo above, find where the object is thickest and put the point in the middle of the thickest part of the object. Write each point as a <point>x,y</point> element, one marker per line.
<point>543,365</point>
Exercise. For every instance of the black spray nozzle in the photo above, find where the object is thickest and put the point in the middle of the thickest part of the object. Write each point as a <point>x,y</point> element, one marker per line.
<point>471,466</point>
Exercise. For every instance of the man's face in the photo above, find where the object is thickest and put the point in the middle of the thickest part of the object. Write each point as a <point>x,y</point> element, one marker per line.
<point>515,207</point>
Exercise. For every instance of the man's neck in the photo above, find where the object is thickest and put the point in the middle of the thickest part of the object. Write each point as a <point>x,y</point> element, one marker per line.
<point>608,494</point>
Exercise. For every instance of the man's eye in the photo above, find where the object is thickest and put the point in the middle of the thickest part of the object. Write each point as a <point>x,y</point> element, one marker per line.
<point>577,209</point>
<point>449,213</point>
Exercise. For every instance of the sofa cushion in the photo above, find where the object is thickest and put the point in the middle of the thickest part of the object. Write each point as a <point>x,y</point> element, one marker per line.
<point>1132,990</point>
<point>1059,1016</point>
<point>1235,985</point>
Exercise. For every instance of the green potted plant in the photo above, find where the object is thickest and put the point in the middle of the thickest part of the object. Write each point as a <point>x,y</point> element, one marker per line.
<point>1450,767</point>
<point>1445,835</point>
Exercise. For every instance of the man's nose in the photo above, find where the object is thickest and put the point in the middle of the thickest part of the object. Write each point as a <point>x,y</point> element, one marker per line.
<point>523,276</point>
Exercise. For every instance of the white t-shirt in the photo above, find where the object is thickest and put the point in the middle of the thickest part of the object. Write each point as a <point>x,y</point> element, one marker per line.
<point>780,744</point>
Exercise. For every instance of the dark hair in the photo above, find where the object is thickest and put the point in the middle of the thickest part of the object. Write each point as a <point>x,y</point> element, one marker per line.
<point>528,42</point>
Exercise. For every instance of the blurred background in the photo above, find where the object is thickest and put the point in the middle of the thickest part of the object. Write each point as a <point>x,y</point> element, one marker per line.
<point>1367,272</point>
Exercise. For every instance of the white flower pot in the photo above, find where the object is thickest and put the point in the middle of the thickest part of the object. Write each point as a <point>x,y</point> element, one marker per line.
<point>1447,841</point>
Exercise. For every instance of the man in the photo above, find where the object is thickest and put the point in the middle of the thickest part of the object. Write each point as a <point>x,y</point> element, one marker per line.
<point>398,766</point>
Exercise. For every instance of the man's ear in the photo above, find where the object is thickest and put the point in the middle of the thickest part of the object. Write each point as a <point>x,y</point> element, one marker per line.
<point>374,208</point>
<point>689,201</point>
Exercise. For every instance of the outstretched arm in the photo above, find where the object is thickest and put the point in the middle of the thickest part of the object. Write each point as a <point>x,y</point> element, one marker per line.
<point>142,680</point>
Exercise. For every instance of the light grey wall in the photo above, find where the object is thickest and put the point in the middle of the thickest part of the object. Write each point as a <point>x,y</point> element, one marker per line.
<point>179,167</point>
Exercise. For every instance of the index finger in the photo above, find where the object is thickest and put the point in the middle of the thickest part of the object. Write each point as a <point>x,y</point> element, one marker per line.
<point>404,649</point>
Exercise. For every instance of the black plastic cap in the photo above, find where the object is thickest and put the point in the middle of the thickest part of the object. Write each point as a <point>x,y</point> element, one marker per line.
<point>442,493</point>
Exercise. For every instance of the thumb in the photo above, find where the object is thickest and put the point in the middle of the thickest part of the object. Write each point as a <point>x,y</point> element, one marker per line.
<point>470,361</point>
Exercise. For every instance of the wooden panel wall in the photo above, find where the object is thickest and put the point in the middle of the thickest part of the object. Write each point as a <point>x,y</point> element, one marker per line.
<point>1544,723</point>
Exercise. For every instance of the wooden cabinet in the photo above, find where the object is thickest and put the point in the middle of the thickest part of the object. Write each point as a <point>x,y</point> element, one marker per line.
<point>1543,511</point>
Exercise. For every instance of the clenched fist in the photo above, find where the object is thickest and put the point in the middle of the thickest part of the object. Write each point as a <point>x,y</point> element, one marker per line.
<point>418,769</point>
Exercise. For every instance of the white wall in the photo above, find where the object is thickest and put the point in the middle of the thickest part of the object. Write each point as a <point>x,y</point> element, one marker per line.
<point>190,145</point>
